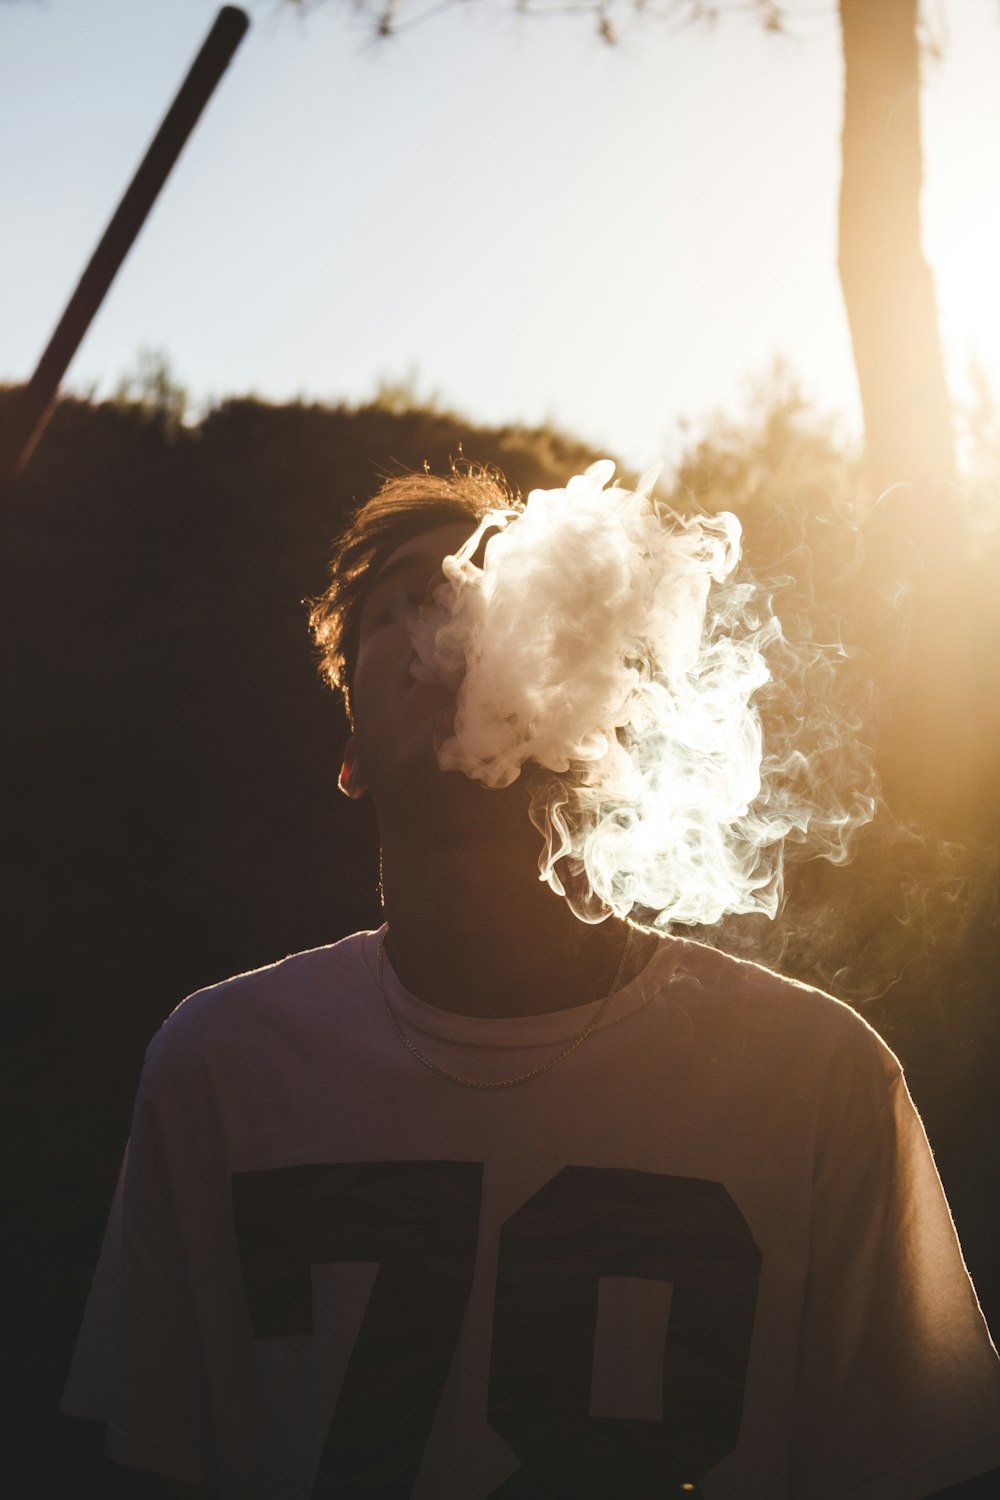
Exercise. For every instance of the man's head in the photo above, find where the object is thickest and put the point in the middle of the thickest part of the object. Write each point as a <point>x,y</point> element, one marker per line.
<point>382,565</point>
<point>404,508</point>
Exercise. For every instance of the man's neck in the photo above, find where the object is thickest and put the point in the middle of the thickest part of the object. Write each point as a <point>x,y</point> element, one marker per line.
<point>476,932</point>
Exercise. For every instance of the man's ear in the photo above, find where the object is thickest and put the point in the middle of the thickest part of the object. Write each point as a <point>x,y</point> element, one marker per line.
<point>351,781</point>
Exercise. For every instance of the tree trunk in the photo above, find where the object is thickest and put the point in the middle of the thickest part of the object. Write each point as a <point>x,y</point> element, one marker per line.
<point>887,283</point>
<point>917,577</point>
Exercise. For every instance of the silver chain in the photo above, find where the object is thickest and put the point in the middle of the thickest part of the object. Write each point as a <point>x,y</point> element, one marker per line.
<point>502,1083</point>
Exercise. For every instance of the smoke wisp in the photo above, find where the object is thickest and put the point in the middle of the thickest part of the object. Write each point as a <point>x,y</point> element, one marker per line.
<point>606,650</point>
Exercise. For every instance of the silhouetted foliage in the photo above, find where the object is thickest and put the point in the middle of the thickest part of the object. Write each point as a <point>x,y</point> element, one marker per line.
<point>153,387</point>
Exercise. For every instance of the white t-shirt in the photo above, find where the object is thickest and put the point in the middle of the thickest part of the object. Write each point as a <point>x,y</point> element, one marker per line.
<point>708,1248</point>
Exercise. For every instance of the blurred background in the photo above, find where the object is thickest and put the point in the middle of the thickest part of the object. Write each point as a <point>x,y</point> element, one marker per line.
<point>756,243</point>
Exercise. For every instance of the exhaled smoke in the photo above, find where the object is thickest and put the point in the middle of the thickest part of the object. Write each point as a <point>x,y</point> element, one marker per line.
<point>605,650</point>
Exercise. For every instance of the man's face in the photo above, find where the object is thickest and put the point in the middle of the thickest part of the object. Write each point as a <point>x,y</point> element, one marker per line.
<point>398,720</point>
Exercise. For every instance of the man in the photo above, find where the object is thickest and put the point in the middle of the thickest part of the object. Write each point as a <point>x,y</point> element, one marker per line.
<point>493,1202</point>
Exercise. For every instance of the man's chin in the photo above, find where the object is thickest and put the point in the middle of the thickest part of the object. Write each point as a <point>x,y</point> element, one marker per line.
<point>441,790</point>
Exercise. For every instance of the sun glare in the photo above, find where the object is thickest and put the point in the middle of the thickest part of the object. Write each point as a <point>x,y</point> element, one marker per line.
<point>963,246</point>
<point>961,205</point>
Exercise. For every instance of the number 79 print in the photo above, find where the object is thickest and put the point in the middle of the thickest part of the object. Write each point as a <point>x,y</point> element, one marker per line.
<point>418,1221</point>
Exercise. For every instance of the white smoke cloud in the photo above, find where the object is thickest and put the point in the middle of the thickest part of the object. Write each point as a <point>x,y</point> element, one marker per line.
<point>605,651</point>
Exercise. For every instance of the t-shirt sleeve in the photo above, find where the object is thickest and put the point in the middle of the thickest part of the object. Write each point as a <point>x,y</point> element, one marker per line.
<point>139,1362</point>
<point>899,1384</point>
<point>92,1372</point>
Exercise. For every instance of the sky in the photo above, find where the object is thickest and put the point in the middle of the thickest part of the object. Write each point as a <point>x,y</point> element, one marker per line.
<point>527,223</point>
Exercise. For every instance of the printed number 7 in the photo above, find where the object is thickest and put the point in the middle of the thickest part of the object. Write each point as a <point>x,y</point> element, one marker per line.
<point>418,1221</point>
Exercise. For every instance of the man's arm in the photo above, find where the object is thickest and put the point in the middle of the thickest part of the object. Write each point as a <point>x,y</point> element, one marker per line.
<point>899,1375</point>
<point>139,1362</point>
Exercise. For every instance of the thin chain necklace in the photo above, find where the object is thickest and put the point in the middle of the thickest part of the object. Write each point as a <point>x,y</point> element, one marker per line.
<point>502,1083</point>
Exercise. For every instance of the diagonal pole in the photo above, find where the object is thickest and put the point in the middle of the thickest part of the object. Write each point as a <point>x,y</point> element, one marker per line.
<point>25,415</point>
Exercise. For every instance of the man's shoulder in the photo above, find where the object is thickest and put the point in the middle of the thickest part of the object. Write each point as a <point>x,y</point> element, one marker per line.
<point>259,999</point>
<point>752,999</point>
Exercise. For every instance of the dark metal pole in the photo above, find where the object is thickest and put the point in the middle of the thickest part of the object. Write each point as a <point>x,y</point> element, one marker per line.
<point>26,415</point>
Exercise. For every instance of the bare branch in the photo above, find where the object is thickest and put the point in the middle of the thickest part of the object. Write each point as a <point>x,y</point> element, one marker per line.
<point>610,17</point>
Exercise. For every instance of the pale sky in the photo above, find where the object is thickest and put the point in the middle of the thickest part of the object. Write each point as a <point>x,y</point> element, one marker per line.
<point>541,226</point>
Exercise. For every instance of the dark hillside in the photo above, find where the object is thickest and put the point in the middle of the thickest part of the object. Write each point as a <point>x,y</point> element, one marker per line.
<point>172,757</point>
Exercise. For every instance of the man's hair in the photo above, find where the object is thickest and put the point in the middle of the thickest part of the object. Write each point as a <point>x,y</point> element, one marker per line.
<point>406,506</point>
